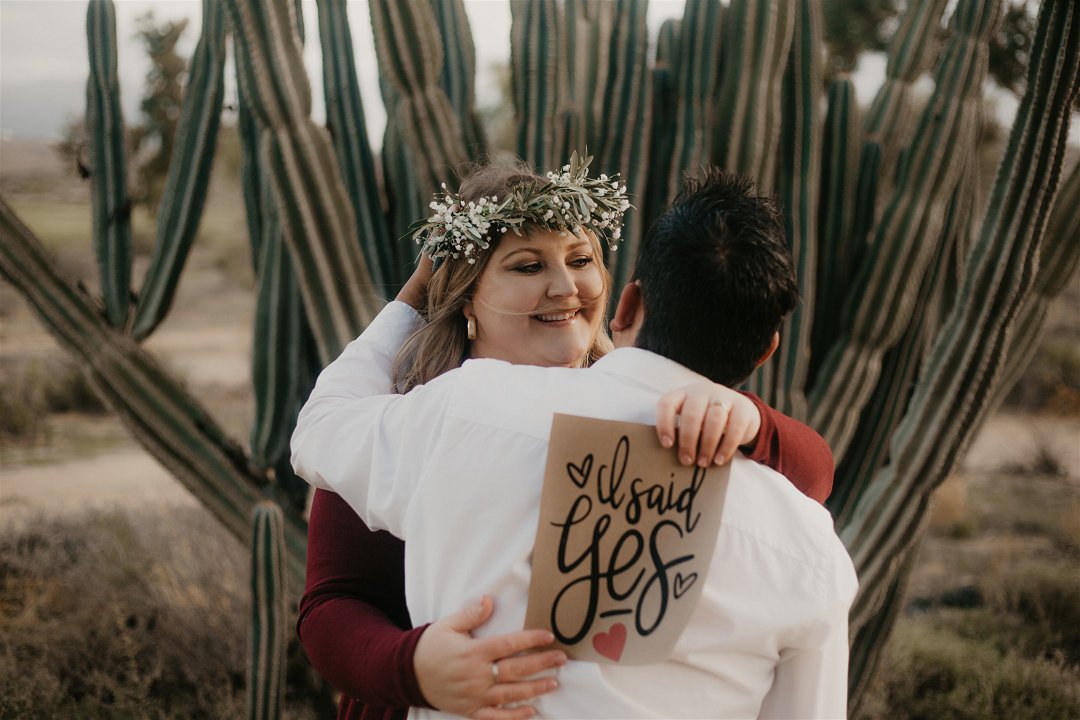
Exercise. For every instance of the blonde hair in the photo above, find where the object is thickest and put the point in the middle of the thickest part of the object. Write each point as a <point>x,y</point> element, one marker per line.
<point>442,344</point>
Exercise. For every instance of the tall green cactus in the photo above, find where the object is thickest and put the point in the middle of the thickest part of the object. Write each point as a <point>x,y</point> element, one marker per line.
<point>105,144</point>
<point>882,297</point>
<point>269,614</point>
<point>316,216</point>
<point>345,120</point>
<point>904,287</point>
<point>189,172</point>
<point>536,80</point>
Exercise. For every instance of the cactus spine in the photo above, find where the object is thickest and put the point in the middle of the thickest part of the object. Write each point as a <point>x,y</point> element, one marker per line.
<point>269,614</point>
<point>105,143</point>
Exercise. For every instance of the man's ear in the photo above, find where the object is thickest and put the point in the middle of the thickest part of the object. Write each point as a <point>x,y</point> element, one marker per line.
<point>772,348</point>
<point>629,315</point>
<point>627,309</point>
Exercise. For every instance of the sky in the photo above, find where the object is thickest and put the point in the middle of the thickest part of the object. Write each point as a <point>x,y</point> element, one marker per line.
<point>43,56</point>
<point>43,59</point>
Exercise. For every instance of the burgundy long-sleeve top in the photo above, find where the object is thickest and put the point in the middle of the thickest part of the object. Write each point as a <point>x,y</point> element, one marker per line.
<point>353,620</point>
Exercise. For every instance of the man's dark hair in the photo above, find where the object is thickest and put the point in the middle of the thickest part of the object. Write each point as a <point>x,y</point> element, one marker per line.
<point>716,277</point>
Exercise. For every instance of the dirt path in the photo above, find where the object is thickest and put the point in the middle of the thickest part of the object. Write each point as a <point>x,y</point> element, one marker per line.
<point>130,479</point>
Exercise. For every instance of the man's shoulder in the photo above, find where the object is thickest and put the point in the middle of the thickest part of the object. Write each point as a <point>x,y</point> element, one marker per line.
<point>763,504</point>
<point>499,376</point>
<point>515,398</point>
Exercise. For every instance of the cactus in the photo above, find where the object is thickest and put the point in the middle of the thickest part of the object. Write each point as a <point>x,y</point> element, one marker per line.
<point>269,614</point>
<point>536,80</point>
<point>797,184</point>
<point>458,71</point>
<point>189,172</point>
<point>897,374</point>
<point>757,39</point>
<point>836,215</point>
<point>882,298</point>
<point>313,205</point>
<point>105,144</point>
<point>345,120</point>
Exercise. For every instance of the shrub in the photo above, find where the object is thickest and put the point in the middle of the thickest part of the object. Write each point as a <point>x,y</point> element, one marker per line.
<point>29,391</point>
<point>1047,597</point>
<point>124,616</point>
<point>931,673</point>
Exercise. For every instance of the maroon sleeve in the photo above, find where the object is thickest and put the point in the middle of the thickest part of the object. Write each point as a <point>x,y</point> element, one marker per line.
<point>794,450</point>
<point>354,624</point>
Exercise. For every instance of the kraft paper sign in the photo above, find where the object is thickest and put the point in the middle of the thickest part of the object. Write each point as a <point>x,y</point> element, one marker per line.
<point>624,541</point>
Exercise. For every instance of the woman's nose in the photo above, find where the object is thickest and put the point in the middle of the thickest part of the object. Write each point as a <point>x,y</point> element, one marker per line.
<point>562,283</point>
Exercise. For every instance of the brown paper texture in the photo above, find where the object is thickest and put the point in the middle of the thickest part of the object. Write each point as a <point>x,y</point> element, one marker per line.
<point>625,538</point>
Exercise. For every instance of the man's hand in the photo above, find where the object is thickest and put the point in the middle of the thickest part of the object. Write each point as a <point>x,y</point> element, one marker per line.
<point>712,421</point>
<point>457,673</point>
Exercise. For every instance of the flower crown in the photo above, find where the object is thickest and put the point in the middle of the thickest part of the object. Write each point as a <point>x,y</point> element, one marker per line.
<point>569,201</point>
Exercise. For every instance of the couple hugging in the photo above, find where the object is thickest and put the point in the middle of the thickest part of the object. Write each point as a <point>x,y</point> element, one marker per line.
<point>433,425</point>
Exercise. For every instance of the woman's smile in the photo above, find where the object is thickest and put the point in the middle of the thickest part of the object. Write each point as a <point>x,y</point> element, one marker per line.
<point>558,319</point>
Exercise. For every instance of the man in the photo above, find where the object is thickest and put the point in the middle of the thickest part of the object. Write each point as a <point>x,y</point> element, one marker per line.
<point>456,467</point>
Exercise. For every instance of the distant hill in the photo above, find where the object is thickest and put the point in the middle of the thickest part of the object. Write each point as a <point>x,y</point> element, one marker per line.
<point>40,110</point>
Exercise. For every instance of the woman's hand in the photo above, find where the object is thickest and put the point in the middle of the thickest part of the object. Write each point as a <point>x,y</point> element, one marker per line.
<point>457,672</point>
<point>713,421</point>
<point>414,291</point>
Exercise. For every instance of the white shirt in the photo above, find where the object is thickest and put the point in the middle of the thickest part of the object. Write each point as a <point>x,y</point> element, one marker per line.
<point>455,468</point>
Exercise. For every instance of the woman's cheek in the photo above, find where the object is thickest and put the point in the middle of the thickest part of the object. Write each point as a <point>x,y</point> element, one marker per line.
<point>593,287</point>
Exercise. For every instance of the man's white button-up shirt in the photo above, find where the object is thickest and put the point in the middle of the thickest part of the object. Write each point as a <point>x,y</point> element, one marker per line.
<point>455,468</point>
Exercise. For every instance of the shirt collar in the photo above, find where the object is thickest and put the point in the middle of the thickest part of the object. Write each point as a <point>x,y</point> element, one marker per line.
<point>647,369</point>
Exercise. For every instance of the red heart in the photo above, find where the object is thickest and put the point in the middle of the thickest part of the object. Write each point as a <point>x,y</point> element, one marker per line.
<point>611,643</point>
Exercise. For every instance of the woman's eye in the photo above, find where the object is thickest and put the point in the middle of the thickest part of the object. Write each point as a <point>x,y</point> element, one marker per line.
<point>528,268</point>
<point>583,261</point>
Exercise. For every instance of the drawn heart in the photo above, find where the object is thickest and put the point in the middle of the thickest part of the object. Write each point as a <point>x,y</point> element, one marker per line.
<point>611,643</point>
<point>580,473</point>
<point>682,584</point>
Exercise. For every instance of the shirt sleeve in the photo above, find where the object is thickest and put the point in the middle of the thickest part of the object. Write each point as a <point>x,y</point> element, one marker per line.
<point>353,622</point>
<point>794,450</point>
<point>370,449</point>
<point>810,681</point>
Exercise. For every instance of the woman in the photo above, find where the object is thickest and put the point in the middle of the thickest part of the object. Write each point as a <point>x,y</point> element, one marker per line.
<point>534,298</point>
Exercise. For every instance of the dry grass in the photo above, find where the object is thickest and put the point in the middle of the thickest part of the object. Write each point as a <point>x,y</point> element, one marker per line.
<point>31,390</point>
<point>992,627</point>
<point>124,616</point>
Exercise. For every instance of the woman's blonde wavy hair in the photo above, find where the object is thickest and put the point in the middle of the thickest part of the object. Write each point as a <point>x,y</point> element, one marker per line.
<point>442,344</point>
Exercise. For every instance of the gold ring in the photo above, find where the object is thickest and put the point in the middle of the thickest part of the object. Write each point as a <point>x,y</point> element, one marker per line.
<point>495,671</point>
